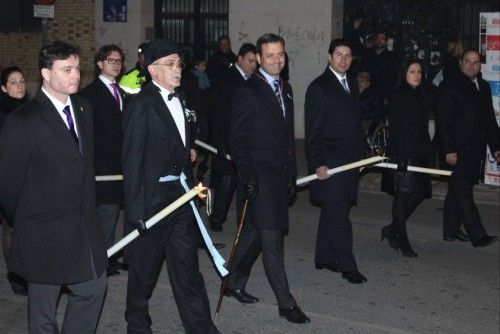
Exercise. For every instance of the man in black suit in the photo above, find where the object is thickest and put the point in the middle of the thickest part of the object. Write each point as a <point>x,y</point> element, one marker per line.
<point>223,177</point>
<point>222,59</point>
<point>158,146</point>
<point>47,189</point>
<point>107,100</point>
<point>466,123</point>
<point>334,137</point>
<point>262,144</point>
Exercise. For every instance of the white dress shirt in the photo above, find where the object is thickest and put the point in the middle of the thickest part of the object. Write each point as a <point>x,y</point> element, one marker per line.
<point>60,106</point>
<point>175,107</point>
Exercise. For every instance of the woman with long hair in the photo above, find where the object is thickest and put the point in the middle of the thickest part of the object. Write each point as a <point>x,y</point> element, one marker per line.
<point>13,95</point>
<point>408,144</point>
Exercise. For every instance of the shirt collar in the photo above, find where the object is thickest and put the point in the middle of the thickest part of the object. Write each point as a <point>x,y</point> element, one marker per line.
<point>163,90</point>
<point>243,74</point>
<point>338,75</point>
<point>106,81</point>
<point>269,78</point>
<point>58,104</point>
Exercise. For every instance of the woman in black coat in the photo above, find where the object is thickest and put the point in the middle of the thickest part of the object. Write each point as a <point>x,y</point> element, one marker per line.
<point>408,144</point>
<point>12,95</point>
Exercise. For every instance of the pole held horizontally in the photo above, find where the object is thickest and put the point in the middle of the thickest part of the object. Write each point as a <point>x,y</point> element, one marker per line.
<point>360,163</point>
<point>416,169</point>
<point>231,257</point>
<point>198,190</point>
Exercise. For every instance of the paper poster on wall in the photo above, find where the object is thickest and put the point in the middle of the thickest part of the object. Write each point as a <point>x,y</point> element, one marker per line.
<point>114,10</point>
<point>489,46</point>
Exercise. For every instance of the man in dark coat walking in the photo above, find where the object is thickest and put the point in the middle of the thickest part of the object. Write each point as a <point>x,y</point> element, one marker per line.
<point>47,189</point>
<point>108,101</point>
<point>223,177</point>
<point>158,146</point>
<point>466,123</point>
<point>261,140</point>
<point>334,137</point>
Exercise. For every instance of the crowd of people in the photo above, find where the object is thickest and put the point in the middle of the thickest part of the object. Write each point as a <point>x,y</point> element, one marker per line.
<point>143,124</point>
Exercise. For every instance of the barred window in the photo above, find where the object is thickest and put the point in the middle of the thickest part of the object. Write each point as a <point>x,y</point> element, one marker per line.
<point>17,16</point>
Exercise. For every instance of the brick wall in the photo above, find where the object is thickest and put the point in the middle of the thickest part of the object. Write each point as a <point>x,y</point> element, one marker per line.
<point>74,23</point>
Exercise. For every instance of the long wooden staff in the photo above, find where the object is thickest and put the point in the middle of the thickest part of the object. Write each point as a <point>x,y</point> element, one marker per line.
<point>231,258</point>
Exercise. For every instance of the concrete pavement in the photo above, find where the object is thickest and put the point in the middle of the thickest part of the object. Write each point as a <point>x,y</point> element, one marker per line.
<point>449,288</point>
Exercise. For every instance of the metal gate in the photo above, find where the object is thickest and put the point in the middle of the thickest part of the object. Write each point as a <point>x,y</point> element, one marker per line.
<point>195,24</point>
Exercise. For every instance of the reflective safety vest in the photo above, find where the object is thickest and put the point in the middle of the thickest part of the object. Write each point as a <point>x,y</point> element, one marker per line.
<point>131,81</point>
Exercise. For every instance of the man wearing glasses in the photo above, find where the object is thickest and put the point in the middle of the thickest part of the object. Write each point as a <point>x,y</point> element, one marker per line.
<point>334,138</point>
<point>107,100</point>
<point>158,145</point>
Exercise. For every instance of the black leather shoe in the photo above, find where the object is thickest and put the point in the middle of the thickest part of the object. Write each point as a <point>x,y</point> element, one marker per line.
<point>334,266</point>
<point>216,227</point>
<point>354,277</point>
<point>460,236</point>
<point>112,272</point>
<point>241,296</point>
<point>219,245</point>
<point>484,241</point>
<point>294,314</point>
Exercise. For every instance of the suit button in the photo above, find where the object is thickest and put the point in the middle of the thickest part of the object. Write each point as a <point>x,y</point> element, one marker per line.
<point>83,211</point>
<point>78,188</point>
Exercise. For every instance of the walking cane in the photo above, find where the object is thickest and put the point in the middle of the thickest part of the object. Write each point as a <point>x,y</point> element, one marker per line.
<point>231,257</point>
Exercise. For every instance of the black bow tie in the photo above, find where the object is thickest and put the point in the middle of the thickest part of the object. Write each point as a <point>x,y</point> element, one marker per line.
<point>172,95</point>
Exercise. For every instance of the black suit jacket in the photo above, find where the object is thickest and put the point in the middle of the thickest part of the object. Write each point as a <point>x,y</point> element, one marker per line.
<point>466,123</point>
<point>333,135</point>
<point>221,101</point>
<point>262,144</point>
<point>152,148</point>
<point>107,139</point>
<point>48,189</point>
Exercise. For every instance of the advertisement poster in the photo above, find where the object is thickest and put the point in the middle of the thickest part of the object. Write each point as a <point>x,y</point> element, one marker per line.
<point>114,10</point>
<point>489,46</point>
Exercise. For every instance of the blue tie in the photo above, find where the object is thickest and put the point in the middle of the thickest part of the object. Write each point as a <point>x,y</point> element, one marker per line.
<point>344,83</point>
<point>276,85</point>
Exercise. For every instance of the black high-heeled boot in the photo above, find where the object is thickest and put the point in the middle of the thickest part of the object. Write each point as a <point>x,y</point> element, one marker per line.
<point>389,234</point>
<point>404,245</point>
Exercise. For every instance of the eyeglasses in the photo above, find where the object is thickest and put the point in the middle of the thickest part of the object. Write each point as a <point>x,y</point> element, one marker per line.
<point>172,65</point>
<point>113,61</point>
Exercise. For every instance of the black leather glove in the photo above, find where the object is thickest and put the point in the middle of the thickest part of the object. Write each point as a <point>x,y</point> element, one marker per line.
<point>292,189</point>
<point>402,166</point>
<point>140,226</point>
<point>222,151</point>
<point>250,189</point>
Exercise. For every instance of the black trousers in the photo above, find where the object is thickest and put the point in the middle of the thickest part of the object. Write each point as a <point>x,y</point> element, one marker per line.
<point>459,207</point>
<point>177,242</point>
<point>271,243</point>
<point>334,238</point>
<point>403,206</point>
<point>224,184</point>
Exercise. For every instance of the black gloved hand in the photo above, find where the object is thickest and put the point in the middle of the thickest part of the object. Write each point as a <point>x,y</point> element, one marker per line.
<point>222,151</point>
<point>140,226</point>
<point>292,189</point>
<point>402,166</point>
<point>250,189</point>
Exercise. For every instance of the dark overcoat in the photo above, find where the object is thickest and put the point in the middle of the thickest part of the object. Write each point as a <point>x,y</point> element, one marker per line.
<point>262,146</point>
<point>221,102</point>
<point>48,189</point>
<point>409,141</point>
<point>107,139</point>
<point>333,136</point>
<point>152,148</point>
<point>466,123</point>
